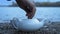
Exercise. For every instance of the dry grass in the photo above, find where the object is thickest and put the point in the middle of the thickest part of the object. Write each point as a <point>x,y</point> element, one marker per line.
<point>7,28</point>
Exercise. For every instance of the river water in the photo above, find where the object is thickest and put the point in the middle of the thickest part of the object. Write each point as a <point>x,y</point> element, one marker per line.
<point>8,13</point>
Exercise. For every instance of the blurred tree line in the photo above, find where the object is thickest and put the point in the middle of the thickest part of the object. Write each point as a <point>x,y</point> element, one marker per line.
<point>48,4</point>
<point>40,4</point>
<point>13,5</point>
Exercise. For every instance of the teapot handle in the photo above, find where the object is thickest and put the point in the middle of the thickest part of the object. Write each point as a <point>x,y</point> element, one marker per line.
<point>14,24</point>
<point>13,21</point>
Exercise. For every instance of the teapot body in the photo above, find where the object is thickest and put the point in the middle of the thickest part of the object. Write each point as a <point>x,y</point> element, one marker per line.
<point>28,24</point>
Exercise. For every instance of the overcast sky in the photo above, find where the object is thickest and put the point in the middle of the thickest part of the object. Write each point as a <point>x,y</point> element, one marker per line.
<point>5,2</point>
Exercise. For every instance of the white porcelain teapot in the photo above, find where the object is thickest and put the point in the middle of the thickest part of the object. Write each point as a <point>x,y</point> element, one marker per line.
<point>27,24</point>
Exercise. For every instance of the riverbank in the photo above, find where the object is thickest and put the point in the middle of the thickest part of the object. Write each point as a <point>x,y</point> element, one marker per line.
<point>7,28</point>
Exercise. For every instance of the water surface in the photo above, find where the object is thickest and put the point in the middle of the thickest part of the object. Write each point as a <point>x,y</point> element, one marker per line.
<point>7,13</point>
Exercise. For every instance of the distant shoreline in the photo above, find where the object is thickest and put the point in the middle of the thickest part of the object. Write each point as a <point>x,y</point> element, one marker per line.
<point>39,4</point>
<point>36,6</point>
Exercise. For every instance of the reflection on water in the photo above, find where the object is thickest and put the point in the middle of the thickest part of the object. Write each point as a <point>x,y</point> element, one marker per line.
<point>7,13</point>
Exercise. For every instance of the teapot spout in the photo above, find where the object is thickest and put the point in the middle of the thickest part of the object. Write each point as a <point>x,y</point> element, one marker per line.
<point>46,21</point>
<point>43,20</point>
